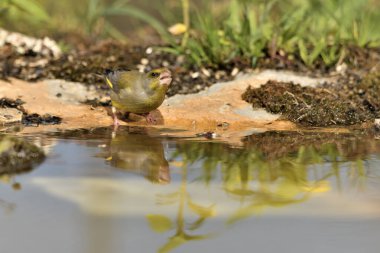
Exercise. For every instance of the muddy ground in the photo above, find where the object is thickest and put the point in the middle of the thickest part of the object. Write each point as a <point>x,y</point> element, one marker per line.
<point>351,99</point>
<point>87,66</point>
<point>88,59</point>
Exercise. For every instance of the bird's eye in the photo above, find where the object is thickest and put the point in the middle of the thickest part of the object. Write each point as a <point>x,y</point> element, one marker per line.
<point>154,74</point>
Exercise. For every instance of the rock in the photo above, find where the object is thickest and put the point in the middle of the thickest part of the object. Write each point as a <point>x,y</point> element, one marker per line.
<point>10,115</point>
<point>41,98</point>
<point>377,124</point>
<point>194,113</point>
<point>24,44</point>
<point>72,92</point>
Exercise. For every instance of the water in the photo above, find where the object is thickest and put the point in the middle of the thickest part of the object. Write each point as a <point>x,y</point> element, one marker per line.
<point>135,192</point>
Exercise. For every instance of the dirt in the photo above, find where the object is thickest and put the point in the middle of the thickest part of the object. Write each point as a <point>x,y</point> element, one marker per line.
<point>87,66</point>
<point>35,119</point>
<point>11,103</point>
<point>87,61</point>
<point>218,109</point>
<point>352,100</point>
<point>29,119</point>
<point>356,59</point>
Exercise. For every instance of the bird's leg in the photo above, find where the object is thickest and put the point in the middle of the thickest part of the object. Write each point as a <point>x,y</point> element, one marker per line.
<point>115,119</point>
<point>149,117</point>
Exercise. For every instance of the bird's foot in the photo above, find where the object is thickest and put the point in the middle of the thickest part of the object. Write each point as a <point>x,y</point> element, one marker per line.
<point>150,118</point>
<point>116,123</point>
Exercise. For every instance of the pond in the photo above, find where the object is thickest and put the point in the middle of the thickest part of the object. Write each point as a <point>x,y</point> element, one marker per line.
<point>140,190</point>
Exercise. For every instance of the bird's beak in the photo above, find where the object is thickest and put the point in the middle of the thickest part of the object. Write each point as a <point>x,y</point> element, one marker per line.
<point>165,78</point>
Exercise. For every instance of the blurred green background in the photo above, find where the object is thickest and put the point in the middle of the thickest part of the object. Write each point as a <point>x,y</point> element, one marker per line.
<point>215,31</point>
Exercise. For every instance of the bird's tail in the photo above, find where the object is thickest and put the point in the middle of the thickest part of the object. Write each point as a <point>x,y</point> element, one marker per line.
<point>108,72</point>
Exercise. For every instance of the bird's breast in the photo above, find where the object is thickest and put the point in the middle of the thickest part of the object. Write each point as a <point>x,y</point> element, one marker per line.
<point>138,102</point>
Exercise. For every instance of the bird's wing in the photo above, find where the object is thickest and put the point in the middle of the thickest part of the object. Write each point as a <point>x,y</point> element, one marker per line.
<point>119,80</point>
<point>129,81</point>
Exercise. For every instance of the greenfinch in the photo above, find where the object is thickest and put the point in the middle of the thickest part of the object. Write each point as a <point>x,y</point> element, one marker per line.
<point>139,153</point>
<point>136,92</point>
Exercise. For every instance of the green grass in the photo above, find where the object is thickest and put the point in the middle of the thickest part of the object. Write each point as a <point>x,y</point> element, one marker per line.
<point>20,11</point>
<point>315,30</point>
<point>91,18</point>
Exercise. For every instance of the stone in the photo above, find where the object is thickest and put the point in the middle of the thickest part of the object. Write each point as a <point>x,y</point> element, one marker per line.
<point>72,92</point>
<point>10,115</point>
<point>377,124</point>
<point>191,113</point>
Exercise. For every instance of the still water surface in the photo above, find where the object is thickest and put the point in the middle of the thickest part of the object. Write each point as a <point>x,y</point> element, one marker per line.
<point>135,192</point>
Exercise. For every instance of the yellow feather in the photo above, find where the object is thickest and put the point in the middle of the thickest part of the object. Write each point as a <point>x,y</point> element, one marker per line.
<point>109,83</point>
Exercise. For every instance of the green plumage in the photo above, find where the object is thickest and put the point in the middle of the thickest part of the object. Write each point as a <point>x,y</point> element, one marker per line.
<point>132,91</point>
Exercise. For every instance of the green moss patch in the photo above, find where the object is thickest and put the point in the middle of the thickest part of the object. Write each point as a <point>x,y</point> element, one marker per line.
<point>351,101</point>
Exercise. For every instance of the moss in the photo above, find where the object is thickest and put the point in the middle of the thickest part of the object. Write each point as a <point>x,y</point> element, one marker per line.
<point>348,103</point>
<point>10,103</point>
<point>35,119</point>
<point>17,155</point>
<point>32,119</point>
<point>369,90</point>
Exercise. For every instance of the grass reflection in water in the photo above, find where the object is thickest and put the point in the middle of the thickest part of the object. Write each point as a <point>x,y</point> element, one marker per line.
<point>270,170</point>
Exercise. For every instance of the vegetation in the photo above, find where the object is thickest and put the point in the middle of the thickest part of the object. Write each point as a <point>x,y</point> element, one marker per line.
<point>92,18</point>
<point>315,32</point>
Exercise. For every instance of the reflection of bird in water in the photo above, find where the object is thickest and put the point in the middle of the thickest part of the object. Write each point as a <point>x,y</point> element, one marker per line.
<point>139,153</point>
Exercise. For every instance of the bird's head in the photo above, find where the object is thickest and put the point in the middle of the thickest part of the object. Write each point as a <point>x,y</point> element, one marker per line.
<point>161,76</point>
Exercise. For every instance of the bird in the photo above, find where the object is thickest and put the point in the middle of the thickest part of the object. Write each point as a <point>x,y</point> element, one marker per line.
<point>134,151</point>
<point>136,92</point>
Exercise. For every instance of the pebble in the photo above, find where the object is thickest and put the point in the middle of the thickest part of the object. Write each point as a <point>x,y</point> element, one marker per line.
<point>223,124</point>
<point>377,124</point>
<point>206,72</point>
<point>207,135</point>
<point>195,75</point>
<point>111,58</point>
<point>341,68</point>
<point>144,61</point>
<point>235,71</point>
<point>180,59</point>
<point>10,115</point>
<point>141,68</point>
<point>219,74</point>
<point>23,44</point>
<point>149,50</point>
